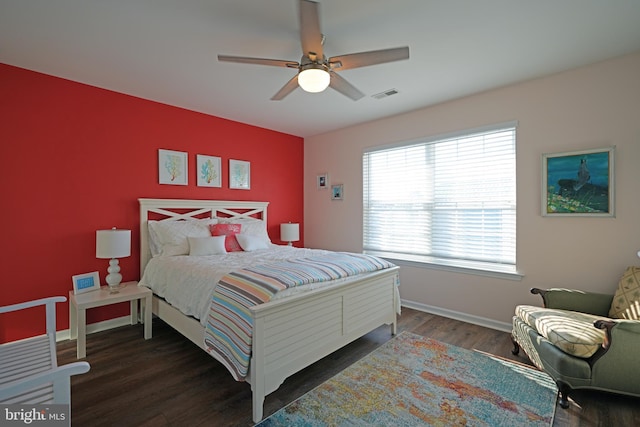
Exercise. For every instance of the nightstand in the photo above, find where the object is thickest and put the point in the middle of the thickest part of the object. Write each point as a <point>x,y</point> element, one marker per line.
<point>79,303</point>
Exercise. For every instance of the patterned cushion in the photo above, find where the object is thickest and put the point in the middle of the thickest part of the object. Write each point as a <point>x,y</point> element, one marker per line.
<point>251,226</point>
<point>626,301</point>
<point>570,331</point>
<point>230,230</point>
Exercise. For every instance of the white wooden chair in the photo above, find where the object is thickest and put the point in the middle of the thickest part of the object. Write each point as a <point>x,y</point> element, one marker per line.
<point>29,371</point>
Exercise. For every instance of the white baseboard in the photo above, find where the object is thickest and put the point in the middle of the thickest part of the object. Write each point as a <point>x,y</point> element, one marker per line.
<point>456,315</point>
<point>97,327</point>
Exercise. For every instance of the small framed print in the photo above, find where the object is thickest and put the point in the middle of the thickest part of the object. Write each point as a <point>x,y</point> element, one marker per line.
<point>172,167</point>
<point>322,181</point>
<point>578,183</point>
<point>337,192</point>
<point>209,171</point>
<point>86,282</point>
<point>239,174</point>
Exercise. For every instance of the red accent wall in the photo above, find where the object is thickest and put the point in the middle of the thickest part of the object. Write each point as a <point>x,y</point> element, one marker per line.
<point>76,158</point>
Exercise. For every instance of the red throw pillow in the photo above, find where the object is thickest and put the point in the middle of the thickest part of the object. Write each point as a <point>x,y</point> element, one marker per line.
<point>229,230</point>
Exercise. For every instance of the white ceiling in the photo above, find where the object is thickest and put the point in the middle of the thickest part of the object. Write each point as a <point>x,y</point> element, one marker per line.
<point>165,50</point>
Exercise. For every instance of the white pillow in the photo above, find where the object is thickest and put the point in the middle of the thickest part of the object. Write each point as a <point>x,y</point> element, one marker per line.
<point>250,226</point>
<point>201,246</point>
<point>169,238</point>
<point>250,243</point>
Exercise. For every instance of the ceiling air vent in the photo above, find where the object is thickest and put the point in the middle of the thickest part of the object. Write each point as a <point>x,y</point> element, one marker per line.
<point>385,94</point>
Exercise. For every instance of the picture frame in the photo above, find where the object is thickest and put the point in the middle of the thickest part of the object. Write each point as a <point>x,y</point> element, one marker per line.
<point>239,174</point>
<point>86,282</point>
<point>579,183</point>
<point>172,167</point>
<point>337,192</point>
<point>322,181</point>
<point>209,171</point>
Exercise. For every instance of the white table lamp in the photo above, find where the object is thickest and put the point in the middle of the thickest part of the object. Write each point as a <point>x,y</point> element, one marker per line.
<point>290,232</point>
<point>113,244</point>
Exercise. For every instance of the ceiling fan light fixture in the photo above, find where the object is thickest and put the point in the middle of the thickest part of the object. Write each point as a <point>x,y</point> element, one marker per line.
<point>315,71</point>
<point>314,79</point>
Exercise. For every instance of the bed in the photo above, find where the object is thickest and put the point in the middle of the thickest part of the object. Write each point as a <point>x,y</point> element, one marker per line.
<point>289,332</point>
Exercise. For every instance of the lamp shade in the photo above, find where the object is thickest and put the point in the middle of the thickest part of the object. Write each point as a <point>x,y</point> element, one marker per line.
<point>314,79</point>
<point>113,243</point>
<point>290,232</point>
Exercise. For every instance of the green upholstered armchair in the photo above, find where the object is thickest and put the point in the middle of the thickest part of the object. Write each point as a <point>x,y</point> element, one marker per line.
<point>574,340</point>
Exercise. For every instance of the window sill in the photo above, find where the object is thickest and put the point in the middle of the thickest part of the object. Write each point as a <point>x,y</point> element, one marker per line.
<point>477,269</point>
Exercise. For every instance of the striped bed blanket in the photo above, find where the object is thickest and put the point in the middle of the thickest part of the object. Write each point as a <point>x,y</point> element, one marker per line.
<point>229,328</point>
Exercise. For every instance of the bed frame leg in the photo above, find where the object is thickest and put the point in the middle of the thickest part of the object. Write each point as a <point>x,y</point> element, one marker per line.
<point>258,402</point>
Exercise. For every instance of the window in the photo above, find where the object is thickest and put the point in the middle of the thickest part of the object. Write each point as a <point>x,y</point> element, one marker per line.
<point>448,201</point>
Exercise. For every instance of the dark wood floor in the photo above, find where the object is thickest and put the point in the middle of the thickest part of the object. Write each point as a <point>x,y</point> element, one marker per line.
<point>168,381</point>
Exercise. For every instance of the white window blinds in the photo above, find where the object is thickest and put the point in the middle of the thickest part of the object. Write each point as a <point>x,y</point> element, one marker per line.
<point>449,201</point>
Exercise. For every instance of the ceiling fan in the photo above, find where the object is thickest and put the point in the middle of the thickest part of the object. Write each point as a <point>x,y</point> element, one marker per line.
<point>315,71</point>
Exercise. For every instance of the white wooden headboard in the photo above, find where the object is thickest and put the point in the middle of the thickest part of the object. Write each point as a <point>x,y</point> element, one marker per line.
<point>181,209</point>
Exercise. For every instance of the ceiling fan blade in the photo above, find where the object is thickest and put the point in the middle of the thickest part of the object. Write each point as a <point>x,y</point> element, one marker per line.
<point>286,89</point>
<point>259,61</point>
<point>344,87</point>
<point>363,59</point>
<point>310,35</point>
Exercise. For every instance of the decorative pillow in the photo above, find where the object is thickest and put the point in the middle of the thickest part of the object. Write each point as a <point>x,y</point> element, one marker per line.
<point>250,226</point>
<point>250,243</point>
<point>626,301</point>
<point>169,238</point>
<point>229,230</point>
<point>201,246</point>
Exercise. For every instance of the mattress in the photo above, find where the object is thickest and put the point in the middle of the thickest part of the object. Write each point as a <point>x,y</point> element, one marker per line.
<point>188,282</point>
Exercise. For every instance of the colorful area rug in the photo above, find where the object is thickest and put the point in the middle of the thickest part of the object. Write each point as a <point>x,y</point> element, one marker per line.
<point>414,381</point>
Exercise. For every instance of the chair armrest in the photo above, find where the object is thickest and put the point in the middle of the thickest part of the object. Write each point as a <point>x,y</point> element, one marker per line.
<point>29,304</point>
<point>615,367</point>
<point>622,331</point>
<point>574,300</point>
<point>50,304</point>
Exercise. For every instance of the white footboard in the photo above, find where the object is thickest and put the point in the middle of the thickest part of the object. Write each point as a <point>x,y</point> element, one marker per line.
<point>293,333</point>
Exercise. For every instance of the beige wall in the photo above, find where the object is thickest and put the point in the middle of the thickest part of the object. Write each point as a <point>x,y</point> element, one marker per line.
<point>590,107</point>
